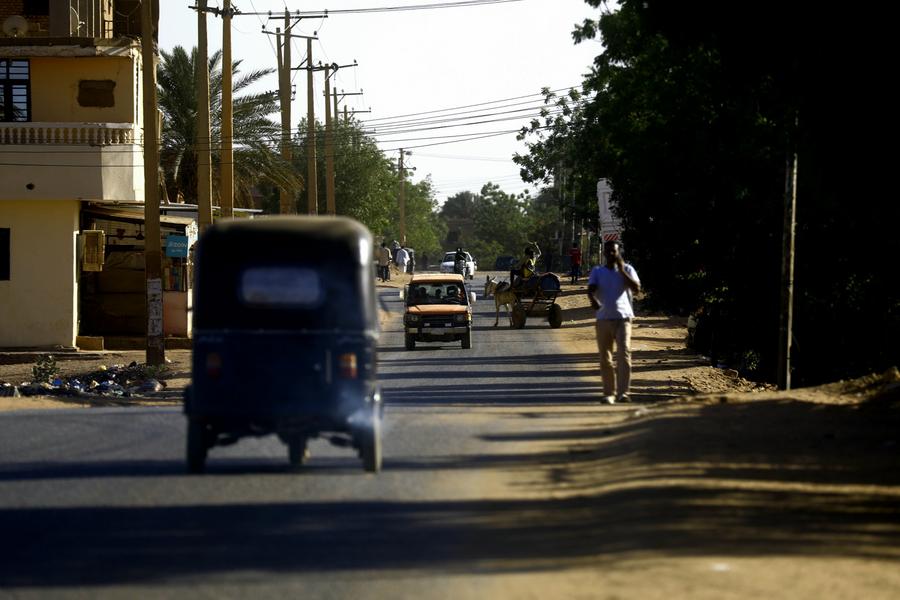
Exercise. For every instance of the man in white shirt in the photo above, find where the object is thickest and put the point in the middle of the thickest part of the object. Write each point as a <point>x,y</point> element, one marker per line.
<point>610,289</point>
<point>402,259</point>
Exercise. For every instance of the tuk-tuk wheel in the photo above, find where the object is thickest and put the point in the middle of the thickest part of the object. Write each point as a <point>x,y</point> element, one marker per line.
<point>197,436</point>
<point>297,451</point>
<point>370,446</point>
<point>410,342</point>
<point>554,316</point>
<point>467,341</point>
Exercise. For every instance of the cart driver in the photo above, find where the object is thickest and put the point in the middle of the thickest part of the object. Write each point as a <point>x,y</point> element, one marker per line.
<point>524,275</point>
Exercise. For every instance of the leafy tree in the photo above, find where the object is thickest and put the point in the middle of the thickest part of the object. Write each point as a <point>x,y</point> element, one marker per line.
<point>256,158</point>
<point>691,118</point>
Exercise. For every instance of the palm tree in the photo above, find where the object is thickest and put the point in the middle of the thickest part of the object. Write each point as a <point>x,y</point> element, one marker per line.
<point>256,157</point>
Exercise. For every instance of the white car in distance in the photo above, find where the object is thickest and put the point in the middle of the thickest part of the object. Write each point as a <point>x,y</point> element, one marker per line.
<point>448,263</point>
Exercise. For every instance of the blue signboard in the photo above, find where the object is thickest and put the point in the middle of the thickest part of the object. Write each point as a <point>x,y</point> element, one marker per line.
<point>177,246</point>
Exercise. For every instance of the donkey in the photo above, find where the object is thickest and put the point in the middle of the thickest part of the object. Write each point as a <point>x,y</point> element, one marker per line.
<point>503,296</point>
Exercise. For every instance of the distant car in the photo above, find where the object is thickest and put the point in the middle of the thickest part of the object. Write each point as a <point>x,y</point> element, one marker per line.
<point>505,263</point>
<point>448,264</point>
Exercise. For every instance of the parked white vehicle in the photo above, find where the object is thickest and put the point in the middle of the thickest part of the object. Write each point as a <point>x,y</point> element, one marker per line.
<point>448,264</point>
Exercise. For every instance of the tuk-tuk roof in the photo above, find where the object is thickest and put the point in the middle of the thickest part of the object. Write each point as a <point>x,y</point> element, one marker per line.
<point>434,277</point>
<point>332,228</point>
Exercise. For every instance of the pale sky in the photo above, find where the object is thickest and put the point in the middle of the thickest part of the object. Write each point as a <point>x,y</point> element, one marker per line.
<point>420,61</point>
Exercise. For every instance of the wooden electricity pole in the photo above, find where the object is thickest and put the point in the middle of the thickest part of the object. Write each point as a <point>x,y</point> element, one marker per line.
<point>203,141</point>
<point>156,348</point>
<point>402,201</point>
<point>312,188</point>
<point>329,147</point>
<point>285,199</point>
<point>226,169</point>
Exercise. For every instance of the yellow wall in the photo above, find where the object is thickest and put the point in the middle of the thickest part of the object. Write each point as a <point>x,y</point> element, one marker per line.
<point>38,305</point>
<point>54,89</point>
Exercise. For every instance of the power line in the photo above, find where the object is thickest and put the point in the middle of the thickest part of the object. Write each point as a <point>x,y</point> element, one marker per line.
<point>386,9</point>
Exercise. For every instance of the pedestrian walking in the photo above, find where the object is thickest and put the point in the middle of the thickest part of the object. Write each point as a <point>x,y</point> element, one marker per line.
<point>610,290</point>
<point>575,262</point>
<point>402,260</point>
<point>384,262</point>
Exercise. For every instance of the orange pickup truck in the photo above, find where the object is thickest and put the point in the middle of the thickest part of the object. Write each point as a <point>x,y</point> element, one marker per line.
<point>438,309</point>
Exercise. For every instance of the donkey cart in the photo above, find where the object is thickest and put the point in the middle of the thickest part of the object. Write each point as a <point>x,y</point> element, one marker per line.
<point>538,300</point>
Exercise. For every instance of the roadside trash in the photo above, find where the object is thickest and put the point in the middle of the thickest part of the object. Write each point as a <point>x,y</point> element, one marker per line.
<point>8,390</point>
<point>151,385</point>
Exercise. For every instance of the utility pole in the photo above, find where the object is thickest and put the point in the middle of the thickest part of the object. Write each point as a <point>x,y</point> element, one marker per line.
<point>343,95</point>
<point>226,167</point>
<point>203,142</point>
<point>312,188</point>
<point>402,173</point>
<point>787,265</point>
<point>329,148</point>
<point>156,347</point>
<point>311,184</point>
<point>285,200</point>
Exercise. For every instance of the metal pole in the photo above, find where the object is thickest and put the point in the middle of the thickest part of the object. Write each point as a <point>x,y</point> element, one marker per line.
<point>204,167</point>
<point>787,265</point>
<point>226,170</point>
<point>156,348</point>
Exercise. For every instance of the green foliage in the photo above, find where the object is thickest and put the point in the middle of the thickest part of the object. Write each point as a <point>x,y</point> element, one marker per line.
<point>256,158</point>
<point>44,369</point>
<point>690,117</point>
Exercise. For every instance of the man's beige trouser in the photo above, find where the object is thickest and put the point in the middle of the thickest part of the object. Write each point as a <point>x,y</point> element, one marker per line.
<point>616,331</point>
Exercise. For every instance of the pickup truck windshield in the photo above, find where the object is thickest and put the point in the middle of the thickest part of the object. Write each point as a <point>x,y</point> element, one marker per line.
<point>436,293</point>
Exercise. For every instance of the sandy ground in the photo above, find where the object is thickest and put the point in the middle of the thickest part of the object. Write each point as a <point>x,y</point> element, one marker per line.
<point>741,490</point>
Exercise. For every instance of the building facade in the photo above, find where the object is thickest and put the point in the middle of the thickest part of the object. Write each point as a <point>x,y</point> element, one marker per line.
<point>71,131</point>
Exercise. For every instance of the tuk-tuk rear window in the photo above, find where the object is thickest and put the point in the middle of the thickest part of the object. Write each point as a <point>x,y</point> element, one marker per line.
<point>279,286</point>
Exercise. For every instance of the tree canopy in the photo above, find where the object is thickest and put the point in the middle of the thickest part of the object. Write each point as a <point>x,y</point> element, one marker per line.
<point>691,112</point>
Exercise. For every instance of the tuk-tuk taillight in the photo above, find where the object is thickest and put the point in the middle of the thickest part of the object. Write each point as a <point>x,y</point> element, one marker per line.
<point>347,363</point>
<point>213,364</point>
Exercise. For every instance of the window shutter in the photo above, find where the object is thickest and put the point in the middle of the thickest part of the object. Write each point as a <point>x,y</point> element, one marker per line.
<point>94,249</point>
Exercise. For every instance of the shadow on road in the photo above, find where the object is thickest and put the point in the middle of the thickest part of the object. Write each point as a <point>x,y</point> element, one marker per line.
<point>756,479</point>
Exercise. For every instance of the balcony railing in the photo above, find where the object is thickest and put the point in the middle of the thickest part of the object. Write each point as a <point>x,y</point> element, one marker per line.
<point>91,134</point>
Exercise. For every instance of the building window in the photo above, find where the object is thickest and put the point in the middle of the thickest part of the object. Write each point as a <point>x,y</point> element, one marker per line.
<point>96,93</point>
<point>4,254</point>
<point>15,90</point>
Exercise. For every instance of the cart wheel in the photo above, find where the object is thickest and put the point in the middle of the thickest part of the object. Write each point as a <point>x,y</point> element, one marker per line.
<point>297,451</point>
<point>467,341</point>
<point>197,436</point>
<point>519,316</point>
<point>410,342</point>
<point>554,316</point>
<point>370,445</point>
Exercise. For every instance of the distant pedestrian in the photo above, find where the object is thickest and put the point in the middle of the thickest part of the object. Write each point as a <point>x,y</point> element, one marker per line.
<point>424,263</point>
<point>384,262</point>
<point>575,262</point>
<point>610,292</point>
<point>402,259</point>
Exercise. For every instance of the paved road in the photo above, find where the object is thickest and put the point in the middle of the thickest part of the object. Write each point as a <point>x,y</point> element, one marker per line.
<point>96,501</point>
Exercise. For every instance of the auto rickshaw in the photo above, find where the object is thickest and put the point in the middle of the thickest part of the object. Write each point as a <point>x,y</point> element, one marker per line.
<point>285,331</point>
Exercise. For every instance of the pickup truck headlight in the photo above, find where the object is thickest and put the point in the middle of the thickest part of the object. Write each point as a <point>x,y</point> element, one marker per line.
<point>412,318</point>
<point>461,318</point>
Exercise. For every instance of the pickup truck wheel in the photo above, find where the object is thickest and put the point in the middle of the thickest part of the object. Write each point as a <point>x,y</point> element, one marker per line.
<point>410,342</point>
<point>467,341</point>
